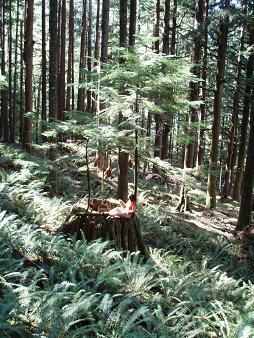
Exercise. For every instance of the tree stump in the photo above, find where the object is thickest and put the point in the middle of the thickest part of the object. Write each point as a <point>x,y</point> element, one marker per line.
<point>184,203</point>
<point>92,223</point>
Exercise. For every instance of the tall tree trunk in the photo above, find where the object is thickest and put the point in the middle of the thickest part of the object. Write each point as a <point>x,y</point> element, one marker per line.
<point>21,91</point>
<point>70,51</point>
<point>96,54</point>
<point>222,51</point>
<point>89,54</point>
<point>28,59</point>
<point>248,177</point>
<point>201,133</point>
<point>10,75</point>
<point>43,70</point>
<point>173,34</point>
<point>15,72</point>
<point>61,76</point>
<point>133,22</point>
<point>165,46</point>
<point>190,151</point>
<point>123,157</point>
<point>157,27</point>
<point>81,91</point>
<point>158,135</point>
<point>234,120</point>
<point>104,30</point>
<point>4,103</point>
<point>245,120</point>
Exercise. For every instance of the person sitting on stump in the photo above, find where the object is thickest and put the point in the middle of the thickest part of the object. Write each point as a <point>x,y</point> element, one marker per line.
<point>125,210</point>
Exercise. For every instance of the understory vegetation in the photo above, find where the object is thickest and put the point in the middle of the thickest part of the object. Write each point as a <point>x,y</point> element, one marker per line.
<point>192,285</point>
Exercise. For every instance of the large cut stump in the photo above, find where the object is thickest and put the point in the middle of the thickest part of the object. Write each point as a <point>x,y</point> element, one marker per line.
<point>92,222</point>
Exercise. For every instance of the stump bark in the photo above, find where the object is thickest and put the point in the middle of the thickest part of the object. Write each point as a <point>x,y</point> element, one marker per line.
<point>92,223</point>
<point>184,202</point>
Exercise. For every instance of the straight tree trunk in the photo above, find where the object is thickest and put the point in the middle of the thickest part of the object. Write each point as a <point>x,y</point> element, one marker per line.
<point>123,157</point>
<point>190,151</point>
<point>248,177</point>
<point>133,22</point>
<point>234,121</point>
<point>81,91</point>
<point>1,48</point>
<point>245,120</point>
<point>157,28</point>
<point>96,54</point>
<point>70,56</point>
<point>201,133</point>
<point>28,59</point>
<point>165,46</point>
<point>15,72</point>
<point>10,115</point>
<point>43,70</point>
<point>174,27</point>
<point>89,54</point>
<point>104,30</point>
<point>158,136</point>
<point>21,96</point>
<point>61,76</point>
<point>4,98</point>
<point>222,52</point>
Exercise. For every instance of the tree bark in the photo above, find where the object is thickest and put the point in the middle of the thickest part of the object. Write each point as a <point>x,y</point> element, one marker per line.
<point>190,160</point>
<point>157,28</point>
<point>104,30</point>
<point>4,98</point>
<point>28,60</point>
<point>245,120</point>
<point>222,51</point>
<point>234,120</point>
<point>53,58</point>
<point>21,95</point>
<point>61,76</point>
<point>89,54</point>
<point>173,34</point>
<point>14,112</point>
<point>43,70</point>
<point>70,55</point>
<point>81,91</point>
<point>165,45</point>
<point>10,115</point>
<point>133,22</point>
<point>248,177</point>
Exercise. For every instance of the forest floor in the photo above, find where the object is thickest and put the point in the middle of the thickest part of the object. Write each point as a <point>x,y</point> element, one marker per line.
<point>195,245</point>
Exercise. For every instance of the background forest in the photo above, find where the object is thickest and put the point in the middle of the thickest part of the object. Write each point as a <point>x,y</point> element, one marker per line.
<point>103,97</point>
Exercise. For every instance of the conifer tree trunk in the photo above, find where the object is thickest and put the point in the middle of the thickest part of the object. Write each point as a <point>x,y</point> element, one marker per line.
<point>133,22</point>
<point>81,91</point>
<point>28,60</point>
<point>165,46</point>
<point>70,55</point>
<point>104,30</point>
<point>245,120</point>
<point>89,54</point>
<point>157,28</point>
<point>222,50</point>
<point>123,157</point>
<point>190,151</point>
<point>53,58</point>
<point>43,69</point>
<point>15,72</point>
<point>234,121</point>
<point>173,34</point>
<point>201,133</point>
<point>248,177</point>
<point>1,48</point>
<point>96,53</point>
<point>21,82</point>
<point>4,98</point>
<point>61,76</point>
<point>10,76</point>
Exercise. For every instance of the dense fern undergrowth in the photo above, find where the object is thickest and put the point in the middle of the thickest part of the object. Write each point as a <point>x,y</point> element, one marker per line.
<point>192,286</point>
